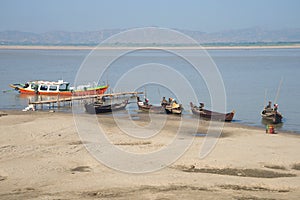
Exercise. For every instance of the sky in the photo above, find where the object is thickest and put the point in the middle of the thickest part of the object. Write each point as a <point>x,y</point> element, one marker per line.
<point>40,16</point>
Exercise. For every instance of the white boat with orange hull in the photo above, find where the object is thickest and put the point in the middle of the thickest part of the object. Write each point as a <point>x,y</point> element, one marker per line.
<point>59,87</point>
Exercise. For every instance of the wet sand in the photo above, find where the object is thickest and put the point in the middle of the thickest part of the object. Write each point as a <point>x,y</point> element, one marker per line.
<point>42,157</point>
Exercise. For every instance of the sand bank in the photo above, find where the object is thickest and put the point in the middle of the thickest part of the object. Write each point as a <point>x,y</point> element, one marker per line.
<point>33,47</point>
<point>42,157</point>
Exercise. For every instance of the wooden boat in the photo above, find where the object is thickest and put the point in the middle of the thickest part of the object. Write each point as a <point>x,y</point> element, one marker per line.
<point>57,88</point>
<point>271,116</point>
<point>149,107</point>
<point>207,114</point>
<point>99,107</point>
<point>173,108</point>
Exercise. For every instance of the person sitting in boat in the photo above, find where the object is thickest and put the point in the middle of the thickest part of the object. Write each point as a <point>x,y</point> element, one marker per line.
<point>269,106</point>
<point>175,104</point>
<point>275,107</point>
<point>139,101</point>
<point>146,101</point>
<point>201,106</point>
<point>164,102</point>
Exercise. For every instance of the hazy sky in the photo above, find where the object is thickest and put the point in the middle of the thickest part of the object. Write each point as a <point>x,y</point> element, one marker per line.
<point>203,15</point>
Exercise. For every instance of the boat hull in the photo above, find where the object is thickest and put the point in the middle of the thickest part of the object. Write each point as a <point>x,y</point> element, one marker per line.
<point>89,91</point>
<point>151,108</point>
<point>210,115</point>
<point>170,110</point>
<point>94,108</point>
<point>272,117</point>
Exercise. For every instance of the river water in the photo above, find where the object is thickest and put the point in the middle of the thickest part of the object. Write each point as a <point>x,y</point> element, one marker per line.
<point>251,77</point>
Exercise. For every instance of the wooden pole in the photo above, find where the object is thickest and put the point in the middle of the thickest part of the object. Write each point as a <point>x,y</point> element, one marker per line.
<point>41,104</point>
<point>278,90</point>
<point>58,103</point>
<point>265,100</point>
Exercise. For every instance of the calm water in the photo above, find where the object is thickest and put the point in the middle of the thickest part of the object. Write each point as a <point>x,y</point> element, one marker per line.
<point>247,75</point>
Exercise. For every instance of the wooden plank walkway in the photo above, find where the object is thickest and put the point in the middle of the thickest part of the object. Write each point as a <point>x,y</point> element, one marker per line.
<point>59,99</point>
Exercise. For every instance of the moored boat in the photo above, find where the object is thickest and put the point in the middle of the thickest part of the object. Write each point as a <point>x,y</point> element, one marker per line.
<point>145,106</point>
<point>271,115</point>
<point>211,115</point>
<point>59,87</point>
<point>173,110</point>
<point>99,107</point>
<point>172,107</point>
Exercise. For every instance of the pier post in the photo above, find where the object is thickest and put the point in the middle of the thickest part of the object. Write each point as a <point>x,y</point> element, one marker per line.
<point>42,106</point>
<point>58,103</point>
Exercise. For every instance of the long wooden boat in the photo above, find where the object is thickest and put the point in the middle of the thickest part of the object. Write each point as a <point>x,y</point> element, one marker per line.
<point>149,107</point>
<point>97,108</point>
<point>271,116</point>
<point>57,88</point>
<point>211,115</point>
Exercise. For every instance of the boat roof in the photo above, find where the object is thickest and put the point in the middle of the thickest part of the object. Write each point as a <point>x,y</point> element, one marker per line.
<point>40,82</point>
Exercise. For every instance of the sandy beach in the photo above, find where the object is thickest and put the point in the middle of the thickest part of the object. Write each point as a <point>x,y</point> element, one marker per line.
<point>42,157</point>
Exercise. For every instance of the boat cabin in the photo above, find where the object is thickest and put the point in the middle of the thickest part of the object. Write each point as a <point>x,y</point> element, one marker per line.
<point>47,86</point>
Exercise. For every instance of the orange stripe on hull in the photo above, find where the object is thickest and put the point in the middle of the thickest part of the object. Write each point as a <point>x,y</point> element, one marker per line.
<point>65,93</point>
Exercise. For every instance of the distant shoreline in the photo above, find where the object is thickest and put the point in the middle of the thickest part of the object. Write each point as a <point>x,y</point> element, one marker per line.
<point>237,47</point>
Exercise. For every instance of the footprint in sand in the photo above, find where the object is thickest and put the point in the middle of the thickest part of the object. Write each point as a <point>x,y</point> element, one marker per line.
<point>296,166</point>
<point>81,169</point>
<point>2,178</point>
